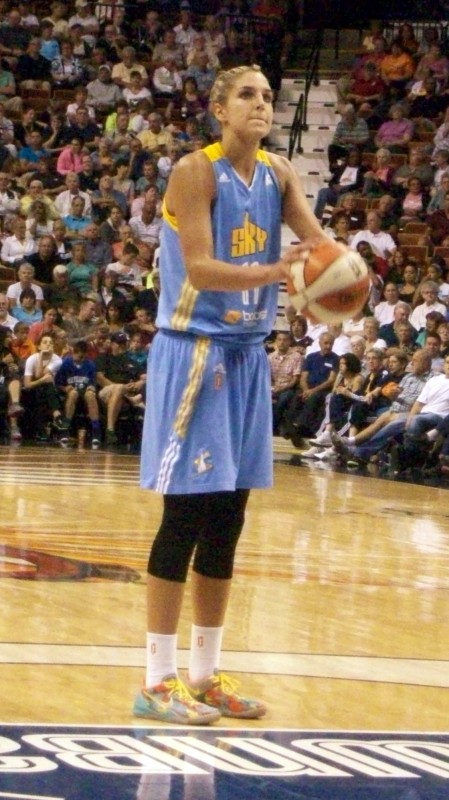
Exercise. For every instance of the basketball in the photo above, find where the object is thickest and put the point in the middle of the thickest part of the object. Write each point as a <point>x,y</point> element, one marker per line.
<point>329,283</point>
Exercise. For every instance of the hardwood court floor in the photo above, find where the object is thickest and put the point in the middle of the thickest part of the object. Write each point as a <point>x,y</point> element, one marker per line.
<point>339,616</point>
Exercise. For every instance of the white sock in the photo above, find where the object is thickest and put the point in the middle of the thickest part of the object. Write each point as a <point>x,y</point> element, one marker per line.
<point>205,649</point>
<point>161,657</point>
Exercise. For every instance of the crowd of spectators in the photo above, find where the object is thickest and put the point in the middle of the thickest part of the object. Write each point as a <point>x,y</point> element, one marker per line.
<point>377,388</point>
<point>97,103</point>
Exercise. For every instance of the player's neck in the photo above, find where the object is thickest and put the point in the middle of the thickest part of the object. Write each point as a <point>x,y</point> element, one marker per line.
<point>241,156</point>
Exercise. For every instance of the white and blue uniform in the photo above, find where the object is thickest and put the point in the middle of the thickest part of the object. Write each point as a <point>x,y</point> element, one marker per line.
<point>208,419</point>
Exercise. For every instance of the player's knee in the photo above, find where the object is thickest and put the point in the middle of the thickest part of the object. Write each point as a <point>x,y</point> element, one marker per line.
<point>176,539</point>
<point>214,557</point>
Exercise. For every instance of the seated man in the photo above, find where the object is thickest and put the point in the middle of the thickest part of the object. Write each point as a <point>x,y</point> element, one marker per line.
<point>76,378</point>
<point>120,381</point>
<point>317,378</point>
<point>285,368</point>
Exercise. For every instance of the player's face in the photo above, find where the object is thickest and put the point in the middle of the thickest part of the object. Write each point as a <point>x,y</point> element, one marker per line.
<point>248,109</point>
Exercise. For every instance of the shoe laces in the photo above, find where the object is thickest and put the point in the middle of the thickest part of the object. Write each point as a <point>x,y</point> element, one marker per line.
<point>175,686</point>
<point>227,684</point>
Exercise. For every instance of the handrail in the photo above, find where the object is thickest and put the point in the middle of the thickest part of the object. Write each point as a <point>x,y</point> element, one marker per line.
<point>300,119</point>
<point>296,129</point>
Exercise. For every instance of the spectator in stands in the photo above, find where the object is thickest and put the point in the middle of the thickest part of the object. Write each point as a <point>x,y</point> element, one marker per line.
<point>18,246</point>
<point>417,167</point>
<point>9,199</point>
<point>436,63</point>
<point>346,177</point>
<point>50,48</point>
<point>371,328</point>
<point>63,246</point>
<point>39,385</point>
<point>27,309</point>
<point>317,378</point>
<point>120,382</point>
<point>389,331</point>
<point>59,292</point>
<point>184,31</point>
<point>397,68</point>
<point>77,221</point>
<point>83,324</point>
<point>429,292</point>
<point>438,223</point>
<point>384,311</point>
<point>14,38</point>
<point>60,24</point>
<point>414,204</point>
<point>32,152</point>
<point>76,379</point>
<point>110,229</point>
<point>351,131</point>
<point>6,319</point>
<point>356,216</point>
<point>121,73</point>
<point>102,92</point>
<point>25,275</point>
<point>63,201</point>
<point>147,224</point>
<point>33,69</point>
<point>167,79</point>
<point>389,215</point>
<point>98,251</point>
<point>38,222</point>
<point>156,137</point>
<point>66,69</point>
<point>366,89</point>
<point>390,423</point>
<point>87,20</point>
<point>45,259</point>
<point>407,288</point>
<point>82,128</point>
<point>381,242</point>
<point>136,91</point>
<point>378,179</point>
<point>168,47</point>
<point>70,158</point>
<point>396,133</point>
<point>285,368</point>
<point>8,92</point>
<point>338,227</point>
<point>83,275</point>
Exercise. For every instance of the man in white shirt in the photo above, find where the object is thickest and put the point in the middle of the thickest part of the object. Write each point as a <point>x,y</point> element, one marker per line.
<point>382,243</point>
<point>63,201</point>
<point>384,311</point>
<point>9,200</point>
<point>429,291</point>
<point>147,225</point>
<point>6,320</point>
<point>184,32</point>
<point>25,275</point>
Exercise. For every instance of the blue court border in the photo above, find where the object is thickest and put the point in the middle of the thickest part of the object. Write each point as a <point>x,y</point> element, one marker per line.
<point>141,762</point>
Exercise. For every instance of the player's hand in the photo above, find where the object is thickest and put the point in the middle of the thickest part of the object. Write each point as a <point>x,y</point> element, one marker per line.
<point>297,252</point>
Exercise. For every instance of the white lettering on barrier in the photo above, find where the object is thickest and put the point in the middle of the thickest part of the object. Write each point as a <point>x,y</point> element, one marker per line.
<point>222,756</point>
<point>119,754</point>
<point>234,754</point>
<point>343,752</point>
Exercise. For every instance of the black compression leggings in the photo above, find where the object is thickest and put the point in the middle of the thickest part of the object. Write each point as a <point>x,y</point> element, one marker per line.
<point>209,524</point>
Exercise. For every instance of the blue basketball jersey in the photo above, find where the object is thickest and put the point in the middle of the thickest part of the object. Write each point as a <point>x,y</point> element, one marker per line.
<point>246,226</point>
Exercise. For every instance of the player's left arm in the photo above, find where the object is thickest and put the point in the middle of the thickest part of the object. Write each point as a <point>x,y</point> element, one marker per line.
<point>296,210</point>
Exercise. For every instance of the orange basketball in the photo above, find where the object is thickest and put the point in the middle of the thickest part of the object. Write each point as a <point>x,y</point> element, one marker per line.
<point>330,282</point>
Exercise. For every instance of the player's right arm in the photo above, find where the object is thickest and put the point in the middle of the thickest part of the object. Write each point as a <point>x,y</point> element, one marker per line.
<point>189,197</point>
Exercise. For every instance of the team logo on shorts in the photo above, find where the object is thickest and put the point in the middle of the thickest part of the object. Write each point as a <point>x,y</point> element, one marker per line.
<point>219,376</point>
<point>203,462</point>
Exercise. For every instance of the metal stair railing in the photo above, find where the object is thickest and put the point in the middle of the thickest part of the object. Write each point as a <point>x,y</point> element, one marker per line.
<point>312,77</point>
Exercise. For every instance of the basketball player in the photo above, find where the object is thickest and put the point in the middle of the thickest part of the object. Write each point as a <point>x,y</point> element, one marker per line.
<point>207,431</point>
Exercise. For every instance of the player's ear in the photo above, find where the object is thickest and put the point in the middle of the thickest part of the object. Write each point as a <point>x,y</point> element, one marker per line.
<point>218,111</point>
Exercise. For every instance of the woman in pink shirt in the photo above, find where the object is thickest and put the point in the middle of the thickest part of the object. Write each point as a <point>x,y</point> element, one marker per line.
<point>70,158</point>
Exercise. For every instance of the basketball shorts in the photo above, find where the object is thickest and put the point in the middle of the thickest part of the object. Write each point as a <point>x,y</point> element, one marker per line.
<point>208,419</point>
